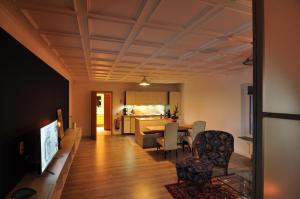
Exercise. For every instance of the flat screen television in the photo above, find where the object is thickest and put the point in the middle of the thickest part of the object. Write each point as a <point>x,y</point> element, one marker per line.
<point>49,144</point>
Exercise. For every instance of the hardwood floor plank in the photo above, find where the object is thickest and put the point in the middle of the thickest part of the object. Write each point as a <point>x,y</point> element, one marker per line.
<point>116,167</point>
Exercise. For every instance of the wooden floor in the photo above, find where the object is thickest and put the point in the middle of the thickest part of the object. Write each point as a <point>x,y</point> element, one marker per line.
<point>116,167</point>
<point>101,131</point>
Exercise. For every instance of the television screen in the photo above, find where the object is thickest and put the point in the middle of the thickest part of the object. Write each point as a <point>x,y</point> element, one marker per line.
<point>49,144</point>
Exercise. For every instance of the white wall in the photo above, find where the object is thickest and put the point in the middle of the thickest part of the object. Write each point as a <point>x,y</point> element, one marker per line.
<point>217,100</point>
<point>82,98</point>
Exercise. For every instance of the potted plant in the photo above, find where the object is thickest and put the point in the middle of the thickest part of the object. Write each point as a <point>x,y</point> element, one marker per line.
<point>174,115</point>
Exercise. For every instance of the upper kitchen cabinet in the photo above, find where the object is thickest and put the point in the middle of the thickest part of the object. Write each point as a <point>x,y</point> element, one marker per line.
<point>146,98</point>
<point>159,97</point>
<point>130,97</point>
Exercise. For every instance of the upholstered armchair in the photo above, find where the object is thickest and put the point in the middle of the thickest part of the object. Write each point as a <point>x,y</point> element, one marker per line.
<point>169,141</point>
<point>198,127</point>
<point>214,149</point>
<point>215,146</point>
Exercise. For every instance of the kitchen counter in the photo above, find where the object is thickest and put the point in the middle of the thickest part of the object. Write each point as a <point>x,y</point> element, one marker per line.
<point>151,119</point>
<point>141,124</point>
<point>141,116</point>
<point>128,122</point>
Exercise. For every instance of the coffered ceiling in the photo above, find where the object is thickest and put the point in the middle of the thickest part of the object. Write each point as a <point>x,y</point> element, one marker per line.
<point>123,40</point>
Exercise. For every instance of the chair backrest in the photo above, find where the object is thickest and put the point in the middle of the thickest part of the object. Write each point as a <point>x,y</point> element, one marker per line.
<point>170,136</point>
<point>215,146</point>
<point>198,127</point>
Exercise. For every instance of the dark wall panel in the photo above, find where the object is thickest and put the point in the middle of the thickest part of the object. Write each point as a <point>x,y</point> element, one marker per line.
<point>31,92</point>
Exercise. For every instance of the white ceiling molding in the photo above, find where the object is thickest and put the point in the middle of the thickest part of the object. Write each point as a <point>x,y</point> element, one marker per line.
<point>81,9</point>
<point>13,21</point>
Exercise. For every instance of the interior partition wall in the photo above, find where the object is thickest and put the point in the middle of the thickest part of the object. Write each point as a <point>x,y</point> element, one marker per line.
<point>277,88</point>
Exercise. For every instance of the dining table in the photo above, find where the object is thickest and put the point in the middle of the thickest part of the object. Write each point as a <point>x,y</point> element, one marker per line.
<point>182,131</point>
<point>161,129</point>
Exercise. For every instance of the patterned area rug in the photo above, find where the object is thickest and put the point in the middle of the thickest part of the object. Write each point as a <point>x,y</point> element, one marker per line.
<point>216,190</point>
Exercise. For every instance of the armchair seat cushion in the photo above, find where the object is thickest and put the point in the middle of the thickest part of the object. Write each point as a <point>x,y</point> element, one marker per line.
<point>195,170</point>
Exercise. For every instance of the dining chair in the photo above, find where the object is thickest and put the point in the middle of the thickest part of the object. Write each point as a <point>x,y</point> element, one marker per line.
<point>198,127</point>
<point>169,140</point>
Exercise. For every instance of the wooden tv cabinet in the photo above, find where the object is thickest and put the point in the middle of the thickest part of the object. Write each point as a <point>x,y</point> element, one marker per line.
<point>49,186</point>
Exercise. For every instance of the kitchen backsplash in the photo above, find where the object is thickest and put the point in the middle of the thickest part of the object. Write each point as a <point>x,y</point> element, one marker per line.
<point>145,109</point>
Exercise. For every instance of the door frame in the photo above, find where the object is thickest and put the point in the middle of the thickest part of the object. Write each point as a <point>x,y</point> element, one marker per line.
<point>94,116</point>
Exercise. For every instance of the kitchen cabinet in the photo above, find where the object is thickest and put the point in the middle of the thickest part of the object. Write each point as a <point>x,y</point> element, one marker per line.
<point>160,97</point>
<point>140,99</point>
<point>126,124</point>
<point>132,124</point>
<point>130,120</point>
<point>129,124</point>
<point>146,98</point>
<point>130,97</point>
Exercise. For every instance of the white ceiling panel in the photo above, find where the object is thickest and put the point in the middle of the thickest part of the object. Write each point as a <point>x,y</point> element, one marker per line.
<point>171,52</point>
<point>154,35</point>
<point>55,40</point>
<point>52,21</point>
<point>65,4</point>
<point>226,21</point>
<point>148,68</point>
<point>246,33</point>
<point>224,45</point>
<point>103,63</point>
<point>191,41</point>
<point>127,65</point>
<point>123,40</point>
<point>133,59</point>
<point>198,57</point>
<point>70,52</point>
<point>103,55</point>
<point>105,45</point>
<point>108,28</point>
<point>176,12</point>
<point>129,9</point>
<point>74,60</point>
<point>100,68</point>
<point>142,49</point>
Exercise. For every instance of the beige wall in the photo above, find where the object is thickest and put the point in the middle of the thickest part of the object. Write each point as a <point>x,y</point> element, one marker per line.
<point>82,99</point>
<point>217,100</point>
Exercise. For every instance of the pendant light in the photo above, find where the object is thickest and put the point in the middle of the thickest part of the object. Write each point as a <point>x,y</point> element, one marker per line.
<point>144,82</point>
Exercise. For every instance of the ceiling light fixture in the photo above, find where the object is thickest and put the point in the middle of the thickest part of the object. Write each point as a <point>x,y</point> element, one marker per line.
<point>144,82</point>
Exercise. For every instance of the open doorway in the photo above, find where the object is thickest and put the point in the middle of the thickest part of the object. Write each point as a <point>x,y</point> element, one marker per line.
<point>101,113</point>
